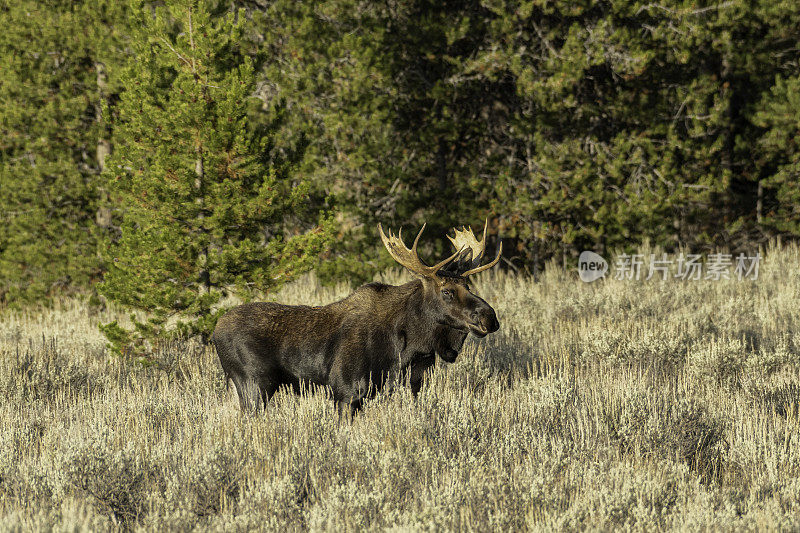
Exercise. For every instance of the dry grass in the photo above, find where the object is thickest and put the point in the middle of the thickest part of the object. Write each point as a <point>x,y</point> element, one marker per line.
<point>640,405</point>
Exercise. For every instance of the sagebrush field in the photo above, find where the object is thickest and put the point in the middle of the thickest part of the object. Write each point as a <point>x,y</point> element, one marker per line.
<point>643,405</point>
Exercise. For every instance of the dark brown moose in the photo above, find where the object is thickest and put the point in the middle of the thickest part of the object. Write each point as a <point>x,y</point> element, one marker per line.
<point>379,334</point>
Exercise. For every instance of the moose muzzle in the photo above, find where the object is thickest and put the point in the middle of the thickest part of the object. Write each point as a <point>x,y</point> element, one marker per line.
<point>484,321</point>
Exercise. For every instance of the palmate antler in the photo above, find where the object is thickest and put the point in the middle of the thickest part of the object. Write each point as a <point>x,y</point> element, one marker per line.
<point>408,257</point>
<point>471,250</point>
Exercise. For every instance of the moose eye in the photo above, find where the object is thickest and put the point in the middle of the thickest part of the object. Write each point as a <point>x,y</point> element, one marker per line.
<point>447,294</point>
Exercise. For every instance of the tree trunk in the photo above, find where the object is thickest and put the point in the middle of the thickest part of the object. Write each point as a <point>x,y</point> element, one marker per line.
<point>760,202</point>
<point>199,169</point>
<point>103,214</point>
<point>199,181</point>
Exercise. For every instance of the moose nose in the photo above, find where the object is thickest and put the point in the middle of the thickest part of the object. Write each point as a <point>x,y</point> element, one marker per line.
<point>492,323</point>
<point>488,319</point>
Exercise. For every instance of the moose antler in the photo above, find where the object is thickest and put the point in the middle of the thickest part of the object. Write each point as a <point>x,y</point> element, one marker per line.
<point>409,258</point>
<point>464,241</point>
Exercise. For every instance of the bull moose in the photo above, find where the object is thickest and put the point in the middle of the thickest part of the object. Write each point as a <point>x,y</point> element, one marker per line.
<point>379,334</point>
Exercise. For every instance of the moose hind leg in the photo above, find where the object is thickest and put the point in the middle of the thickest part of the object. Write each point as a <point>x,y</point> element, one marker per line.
<point>249,394</point>
<point>231,389</point>
<point>256,394</point>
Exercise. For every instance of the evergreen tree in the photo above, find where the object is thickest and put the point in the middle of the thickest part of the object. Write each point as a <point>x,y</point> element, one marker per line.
<point>388,136</point>
<point>329,72</point>
<point>779,114</point>
<point>573,124</point>
<point>53,57</point>
<point>625,121</point>
<point>776,154</point>
<point>202,209</point>
<point>577,124</point>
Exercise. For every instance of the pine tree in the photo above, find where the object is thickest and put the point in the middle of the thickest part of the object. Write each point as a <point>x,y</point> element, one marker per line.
<point>330,71</point>
<point>779,114</point>
<point>576,124</point>
<point>626,121</point>
<point>389,134</point>
<point>202,208</point>
<point>50,131</point>
<point>777,155</point>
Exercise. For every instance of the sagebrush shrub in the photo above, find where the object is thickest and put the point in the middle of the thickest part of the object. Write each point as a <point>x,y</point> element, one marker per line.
<point>614,405</point>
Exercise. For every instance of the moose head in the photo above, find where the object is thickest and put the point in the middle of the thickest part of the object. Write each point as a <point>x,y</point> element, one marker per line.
<point>449,299</point>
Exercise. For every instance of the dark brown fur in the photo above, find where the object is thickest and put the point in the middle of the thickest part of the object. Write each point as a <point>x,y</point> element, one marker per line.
<point>377,335</point>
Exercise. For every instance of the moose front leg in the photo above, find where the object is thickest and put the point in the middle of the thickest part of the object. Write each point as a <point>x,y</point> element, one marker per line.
<point>349,398</point>
<point>347,409</point>
<point>417,373</point>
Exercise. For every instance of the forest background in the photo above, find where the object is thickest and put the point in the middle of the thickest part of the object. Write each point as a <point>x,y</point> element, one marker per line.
<point>198,145</point>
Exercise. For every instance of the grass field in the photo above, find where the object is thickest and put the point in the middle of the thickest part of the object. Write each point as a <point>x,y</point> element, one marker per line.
<point>643,405</point>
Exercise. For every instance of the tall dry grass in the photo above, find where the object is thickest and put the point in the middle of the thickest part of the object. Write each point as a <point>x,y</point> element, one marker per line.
<point>637,405</point>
